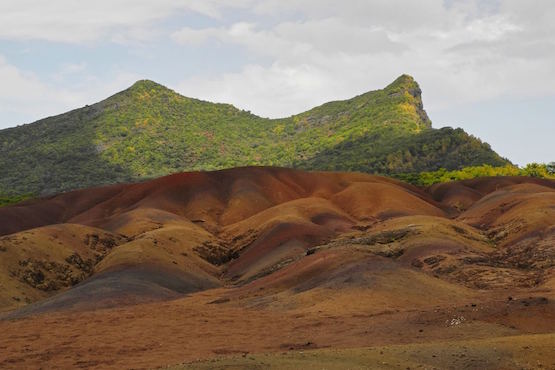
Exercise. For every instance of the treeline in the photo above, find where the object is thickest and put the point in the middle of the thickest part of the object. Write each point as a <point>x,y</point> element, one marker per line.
<point>7,200</point>
<point>541,170</point>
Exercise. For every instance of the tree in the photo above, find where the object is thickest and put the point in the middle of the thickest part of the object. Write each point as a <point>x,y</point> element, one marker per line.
<point>535,170</point>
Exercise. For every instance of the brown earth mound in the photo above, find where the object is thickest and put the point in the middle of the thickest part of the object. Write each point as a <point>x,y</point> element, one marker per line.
<point>276,259</point>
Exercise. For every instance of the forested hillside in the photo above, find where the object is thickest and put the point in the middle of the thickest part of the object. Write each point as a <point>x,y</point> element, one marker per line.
<point>148,131</point>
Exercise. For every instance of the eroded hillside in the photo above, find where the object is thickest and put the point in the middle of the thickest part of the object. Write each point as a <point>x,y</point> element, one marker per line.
<point>279,260</point>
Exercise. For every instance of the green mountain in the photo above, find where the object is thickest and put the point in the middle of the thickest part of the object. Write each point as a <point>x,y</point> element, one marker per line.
<point>148,131</point>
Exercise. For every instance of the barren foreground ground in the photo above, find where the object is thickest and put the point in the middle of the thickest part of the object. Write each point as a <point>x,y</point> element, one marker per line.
<point>276,268</point>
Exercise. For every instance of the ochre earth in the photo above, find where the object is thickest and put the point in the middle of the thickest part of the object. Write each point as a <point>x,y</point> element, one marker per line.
<point>256,267</point>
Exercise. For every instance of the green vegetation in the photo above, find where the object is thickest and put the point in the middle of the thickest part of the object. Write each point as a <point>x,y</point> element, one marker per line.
<point>393,153</point>
<point>546,171</point>
<point>7,200</point>
<point>148,131</point>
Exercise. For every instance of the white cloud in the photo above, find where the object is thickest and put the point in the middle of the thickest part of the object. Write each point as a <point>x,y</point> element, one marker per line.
<point>72,21</point>
<point>293,39</point>
<point>460,53</point>
<point>20,90</point>
<point>249,88</point>
<point>303,53</point>
<point>190,36</point>
<point>26,96</point>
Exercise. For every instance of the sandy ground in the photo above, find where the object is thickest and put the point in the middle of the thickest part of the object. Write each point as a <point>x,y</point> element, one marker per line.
<point>195,328</point>
<point>520,352</point>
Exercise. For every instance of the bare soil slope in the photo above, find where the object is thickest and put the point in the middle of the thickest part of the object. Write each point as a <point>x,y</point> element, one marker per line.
<point>196,265</point>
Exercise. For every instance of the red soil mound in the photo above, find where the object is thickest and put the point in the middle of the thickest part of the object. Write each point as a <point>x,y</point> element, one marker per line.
<point>462,194</point>
<point>201,260</point>
<point>216,198</point>
<point>245,223</point>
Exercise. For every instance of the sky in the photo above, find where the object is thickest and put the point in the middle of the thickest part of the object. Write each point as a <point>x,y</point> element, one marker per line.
<point>486,66</point>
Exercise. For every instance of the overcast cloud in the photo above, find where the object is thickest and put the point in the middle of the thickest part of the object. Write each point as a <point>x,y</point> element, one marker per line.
<point>490,63</point>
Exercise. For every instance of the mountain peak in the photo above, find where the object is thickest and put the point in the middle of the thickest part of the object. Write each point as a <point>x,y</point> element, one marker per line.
<point>405,78</point>
<point>147,84</point>
<point>407,83</point>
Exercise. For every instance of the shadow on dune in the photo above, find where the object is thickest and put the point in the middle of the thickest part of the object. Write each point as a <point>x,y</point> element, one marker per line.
<point>126,286</point>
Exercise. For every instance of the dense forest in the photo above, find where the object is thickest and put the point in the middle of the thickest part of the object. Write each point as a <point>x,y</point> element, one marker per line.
<point>148,131</point>
<point>542,170</point>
